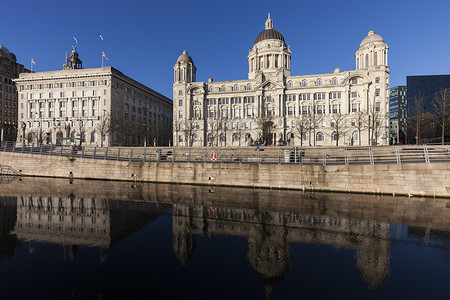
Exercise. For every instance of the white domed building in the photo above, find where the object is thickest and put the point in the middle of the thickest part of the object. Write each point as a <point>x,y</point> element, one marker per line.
<point>271,106</point>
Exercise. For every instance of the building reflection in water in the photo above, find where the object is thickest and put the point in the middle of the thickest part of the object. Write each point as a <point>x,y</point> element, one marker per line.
<point>271,221</point>
<point>270,234</point>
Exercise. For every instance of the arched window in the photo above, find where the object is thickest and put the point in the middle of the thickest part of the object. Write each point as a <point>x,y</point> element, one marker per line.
<point>355,135</point>
<point>305,137</point>
<point>222,137</point>
<point>334,81</point>
<point>334,136</point>
<point>367,60</point>
<point>375,60</point>
<point>249,86</point>
<point>180,92</point>
<point>304,82</point>
<point>211,89</point>
<point>92,137</point>
<point>319,137</point>
<point>248,138</point>
<point>235,137</point>
<point>223,88</point>
<point>195,138</point>
<point>236,87</point>
<point>319,82</point>
<point>289,84</point>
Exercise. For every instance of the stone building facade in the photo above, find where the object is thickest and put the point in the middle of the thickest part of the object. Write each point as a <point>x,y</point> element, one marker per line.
<point>271,106</point>
<point>96,106</point>
<point>9,69</point>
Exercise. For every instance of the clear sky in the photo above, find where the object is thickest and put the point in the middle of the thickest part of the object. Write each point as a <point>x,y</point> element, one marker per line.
<point>144,38</point>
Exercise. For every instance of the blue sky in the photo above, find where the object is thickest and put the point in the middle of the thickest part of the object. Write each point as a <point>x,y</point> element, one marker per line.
<point>143,39</point>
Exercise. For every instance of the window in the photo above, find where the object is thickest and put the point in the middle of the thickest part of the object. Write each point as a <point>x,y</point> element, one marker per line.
<point>335,108</point>
<point>353,122</point>
<point>211,89</point>
<point>180,114</point>
<point>74,94</point>
<point>180,102</point>
<point>95,92</point>
<point>334,81</point>
<point>304,97</point>
<point>319,137</point>
<point>95,103</point>
<point>50,95</point>
<point>236,87</point>
<point>377,80</point>
<point>84,93</point>
<point>290,110</point>
<point>367,60</point>
<point>334,136</point>
<point>223,88</point>
<point>377,106</point>
<point>85,103</point>
<point>319,82</point>
<point>355,135</point>
<point>51,86</point>
<point>354,81</point>
<point>354,95</point>
<point>304,83</point>
<point>355,107</point>
<point>41,95</point>
<point>377,92</point>
<point>289,84</point>
<point>84,83</point>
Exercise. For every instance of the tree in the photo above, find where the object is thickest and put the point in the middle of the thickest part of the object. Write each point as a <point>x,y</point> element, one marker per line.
<point>81,129</point>
<point>313,120</point>
<point>441,105</point>
<point>360,123</point>
<point>417,117</point>
<point>104,127</point>
<point>376,118</point>
<point>338,123</point>
<point>265,123</point>
<point>301,127</point>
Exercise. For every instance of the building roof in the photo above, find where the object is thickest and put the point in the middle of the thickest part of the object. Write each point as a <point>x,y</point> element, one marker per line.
<point>185,57</point>
<point>371,37</point>
<point>269,34</point>
<point>4,49</point>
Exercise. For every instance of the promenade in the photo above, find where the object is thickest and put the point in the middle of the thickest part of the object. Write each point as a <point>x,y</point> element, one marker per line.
<point>402,170</point>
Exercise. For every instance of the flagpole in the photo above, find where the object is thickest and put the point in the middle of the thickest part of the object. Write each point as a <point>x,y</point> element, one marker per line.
<point>31,65</point>
<point>102,59</point>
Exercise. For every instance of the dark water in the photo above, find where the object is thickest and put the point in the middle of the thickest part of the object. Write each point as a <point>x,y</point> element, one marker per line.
<point>104,240</point>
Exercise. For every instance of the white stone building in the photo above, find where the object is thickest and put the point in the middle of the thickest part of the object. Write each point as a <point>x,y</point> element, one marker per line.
<point>99,106</point>
<point>338,108</point>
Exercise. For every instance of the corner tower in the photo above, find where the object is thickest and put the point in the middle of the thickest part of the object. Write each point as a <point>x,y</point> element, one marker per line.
<point>269,54</point>
<point>372,52</point>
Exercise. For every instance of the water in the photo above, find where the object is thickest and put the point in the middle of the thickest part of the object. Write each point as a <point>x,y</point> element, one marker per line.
<point>106,240</point>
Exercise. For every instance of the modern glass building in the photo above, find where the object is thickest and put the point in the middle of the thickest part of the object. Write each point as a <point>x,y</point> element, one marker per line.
<point>426,86</point>
<point>397,114</point>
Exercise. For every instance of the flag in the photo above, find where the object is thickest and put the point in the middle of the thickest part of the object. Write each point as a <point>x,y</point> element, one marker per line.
<point>33,62</point>
<point>104,55</point>
<point>100,36</point>
<point>75,39</point>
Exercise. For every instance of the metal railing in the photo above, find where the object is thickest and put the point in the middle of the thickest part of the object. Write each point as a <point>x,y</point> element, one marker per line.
<point>266,155</point>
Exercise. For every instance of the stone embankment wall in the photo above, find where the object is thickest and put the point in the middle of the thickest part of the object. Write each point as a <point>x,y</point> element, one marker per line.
<point>417,179</point>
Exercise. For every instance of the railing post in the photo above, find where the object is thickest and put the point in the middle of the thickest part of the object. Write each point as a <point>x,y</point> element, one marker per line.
<point>397,154</point>
<point>427,157</point>
<point>40,150</point>
<point>14,147</point>
<point>145,154</point>
<point>173,155</point>
<point>51,149</point>
<point>131,154</point>
<point>23,147</point>
<point>95,150</point>
<point>31,149</point>
<point>118,154</point>
<point>106,153</point>
<point>82,152</point>
<point>371,156</point>
<point>60,152</point>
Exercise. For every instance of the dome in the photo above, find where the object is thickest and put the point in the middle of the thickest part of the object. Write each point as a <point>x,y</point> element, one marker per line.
<point>185,58</point>
<point>269,34</point>
<point>4,49</point>
<point>371,37</point>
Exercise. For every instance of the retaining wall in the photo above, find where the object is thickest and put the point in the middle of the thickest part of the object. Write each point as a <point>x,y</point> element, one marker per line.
<point>422,179</point>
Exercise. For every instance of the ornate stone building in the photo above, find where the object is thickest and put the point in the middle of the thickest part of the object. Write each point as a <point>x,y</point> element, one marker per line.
<point>97,106</point>
<point>339,108</point>
<point>9,69</point>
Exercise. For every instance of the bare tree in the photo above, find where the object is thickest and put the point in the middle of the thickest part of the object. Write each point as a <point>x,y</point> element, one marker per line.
<point>103,128</point>
<point>417,117</point>
<point>81,129</point>
<point>265,123</point>
<point>188,130</point>
<point>441,105</point>
<point>360,123</point>
<point>301,127</point>
<point>375,120</point>
<point>339,125</point>
<point>313,119</point>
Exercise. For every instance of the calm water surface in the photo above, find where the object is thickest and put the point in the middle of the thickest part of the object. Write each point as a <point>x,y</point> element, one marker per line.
<point>105,240</point>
